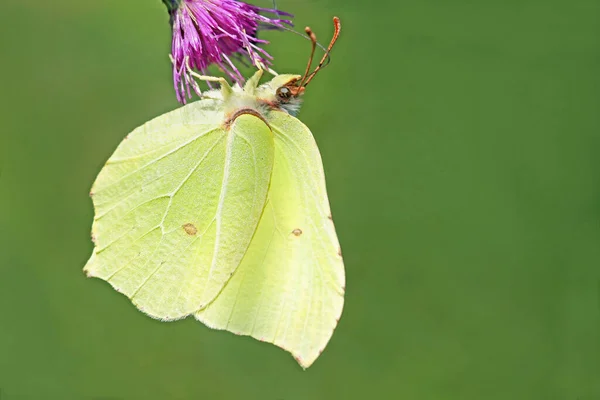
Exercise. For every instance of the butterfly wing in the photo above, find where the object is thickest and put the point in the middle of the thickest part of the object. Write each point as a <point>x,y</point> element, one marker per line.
<point>289,288</point>
<point>177,205</point>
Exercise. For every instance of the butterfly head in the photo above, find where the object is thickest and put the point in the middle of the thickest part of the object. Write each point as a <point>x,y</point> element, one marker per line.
<point>284,91</point>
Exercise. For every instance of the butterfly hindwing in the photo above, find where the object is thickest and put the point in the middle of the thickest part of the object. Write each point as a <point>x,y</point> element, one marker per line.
<point>289,287</point>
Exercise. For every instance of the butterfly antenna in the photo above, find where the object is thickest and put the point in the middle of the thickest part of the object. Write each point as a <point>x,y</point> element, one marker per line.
<point>336,34</point>
<point>285,28</point>
<point>313,40</point>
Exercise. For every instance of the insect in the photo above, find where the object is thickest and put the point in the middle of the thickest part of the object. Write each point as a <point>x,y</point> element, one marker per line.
<point>219,210</point>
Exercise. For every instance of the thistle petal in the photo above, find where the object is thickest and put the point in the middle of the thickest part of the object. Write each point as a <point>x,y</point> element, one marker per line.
<point>212,32</point>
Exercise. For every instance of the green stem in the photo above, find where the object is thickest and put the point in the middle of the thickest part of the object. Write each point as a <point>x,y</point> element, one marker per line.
<point>172,5</point>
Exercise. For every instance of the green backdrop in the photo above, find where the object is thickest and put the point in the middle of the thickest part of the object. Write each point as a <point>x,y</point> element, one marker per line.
<point>460,143</point>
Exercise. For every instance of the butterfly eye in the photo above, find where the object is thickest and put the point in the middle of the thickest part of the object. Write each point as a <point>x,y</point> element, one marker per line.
<point>283,93</point>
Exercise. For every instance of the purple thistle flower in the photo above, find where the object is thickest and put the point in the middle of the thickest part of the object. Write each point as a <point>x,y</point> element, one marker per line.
<point>209,32</point>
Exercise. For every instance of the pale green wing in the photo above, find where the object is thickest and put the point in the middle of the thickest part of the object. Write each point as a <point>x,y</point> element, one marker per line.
<point>177,205</point>
<point>289,289</point>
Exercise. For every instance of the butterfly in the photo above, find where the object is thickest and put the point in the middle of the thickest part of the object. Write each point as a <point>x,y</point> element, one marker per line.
<point>219,210</point>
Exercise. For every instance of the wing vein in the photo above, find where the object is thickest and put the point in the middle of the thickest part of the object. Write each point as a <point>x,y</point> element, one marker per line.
<point>185,180</point>
<point>132,258</point>
<point>158,159</point>
<point>228,152</point>
<point>262,293</point>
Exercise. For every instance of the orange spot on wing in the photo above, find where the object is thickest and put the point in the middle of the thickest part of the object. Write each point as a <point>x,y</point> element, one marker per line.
<point>190,229</point>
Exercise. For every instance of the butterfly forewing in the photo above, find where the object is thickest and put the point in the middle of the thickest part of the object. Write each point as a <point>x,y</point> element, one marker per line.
<point>177,205</point>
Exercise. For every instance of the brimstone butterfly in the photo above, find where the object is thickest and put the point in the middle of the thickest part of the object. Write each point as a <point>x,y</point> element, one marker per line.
<point>219,209</point>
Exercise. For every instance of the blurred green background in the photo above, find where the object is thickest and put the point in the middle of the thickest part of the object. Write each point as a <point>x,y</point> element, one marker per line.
<point>460,143</point>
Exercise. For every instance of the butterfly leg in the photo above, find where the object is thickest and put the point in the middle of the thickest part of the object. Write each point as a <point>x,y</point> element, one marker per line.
<point>205,78</point>
<point>252,83</point>
<point>226,89</point>
<point>260,65</point>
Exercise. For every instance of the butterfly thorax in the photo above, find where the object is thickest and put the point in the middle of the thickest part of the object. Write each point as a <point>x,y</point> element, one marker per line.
<point>279,94</point>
